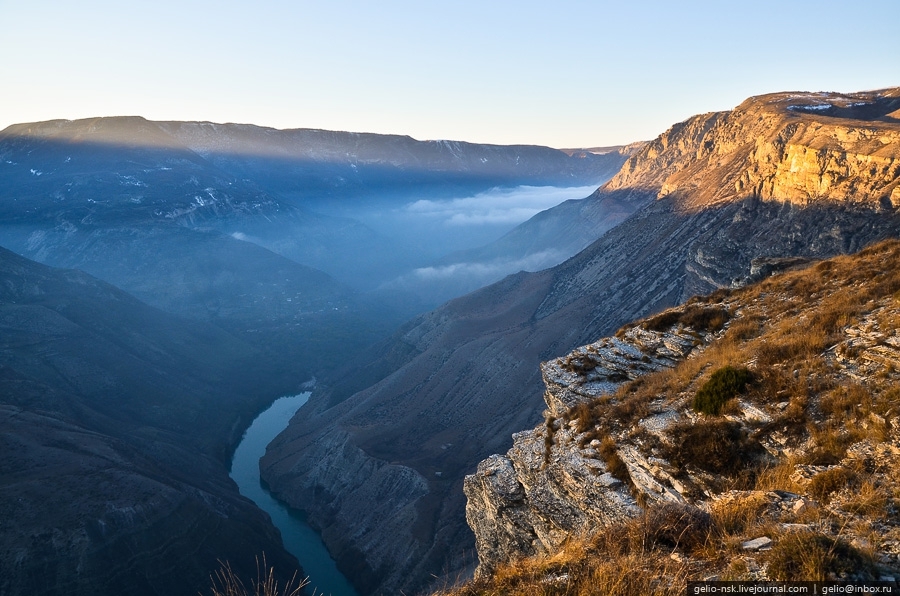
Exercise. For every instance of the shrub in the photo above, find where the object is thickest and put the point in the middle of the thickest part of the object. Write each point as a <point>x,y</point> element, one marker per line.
<point>583,414</point>
<point>674,525</point>
<point>724,384</point>
<point>663,321</point>
<point>717,446</point>
<point>705,319</point>
<point>807,556</point>
<point>695,317</point>
<point>824,484</point>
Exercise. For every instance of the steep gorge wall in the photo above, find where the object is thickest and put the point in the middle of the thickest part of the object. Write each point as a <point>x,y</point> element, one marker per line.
<point>604,456</point>
<point>782,147</point>
<point>472,378</point>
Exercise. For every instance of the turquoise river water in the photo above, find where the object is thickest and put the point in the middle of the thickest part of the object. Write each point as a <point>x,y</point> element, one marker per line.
<point>299,538</point>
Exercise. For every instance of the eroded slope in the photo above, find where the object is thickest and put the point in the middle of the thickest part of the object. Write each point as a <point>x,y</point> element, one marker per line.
<point>464,375</point>
<point>805,447</point>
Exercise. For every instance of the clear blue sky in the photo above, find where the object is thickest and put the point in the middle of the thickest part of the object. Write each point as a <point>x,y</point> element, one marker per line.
<point>561,73</point>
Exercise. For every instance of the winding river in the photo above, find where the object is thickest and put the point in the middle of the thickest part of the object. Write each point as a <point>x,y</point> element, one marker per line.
<point>299,538</point>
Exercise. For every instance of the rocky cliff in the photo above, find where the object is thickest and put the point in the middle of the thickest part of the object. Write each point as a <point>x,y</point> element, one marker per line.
<point>456,382</point>
<point>808,442</point>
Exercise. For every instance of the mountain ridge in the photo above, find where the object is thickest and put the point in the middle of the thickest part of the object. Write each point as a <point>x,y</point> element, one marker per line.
<point>461,375</point>
<point>117,423</point>
<point>627,439</point>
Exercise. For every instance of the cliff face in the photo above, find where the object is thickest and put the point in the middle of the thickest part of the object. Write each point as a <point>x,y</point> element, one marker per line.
<point>529,501</point>
<point>622,429</point>
<point>787,147</point>
<point>456,382</point>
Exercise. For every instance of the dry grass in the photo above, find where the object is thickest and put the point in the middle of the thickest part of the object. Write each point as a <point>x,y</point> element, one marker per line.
<point>870,500</point>
<point>597,566</point>
<point>778,477</point>
<point>786,331</point>
<point>614,463</point>
<point>737,515</point>
<point>808,556</point>
<point>225,582</point>
<point>826,483</point>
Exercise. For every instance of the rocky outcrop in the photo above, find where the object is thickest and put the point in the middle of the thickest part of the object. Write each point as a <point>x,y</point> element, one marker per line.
<point>470,368</point>
<point>794,147</point>
<point>609,451</point>
<point>530,501</point>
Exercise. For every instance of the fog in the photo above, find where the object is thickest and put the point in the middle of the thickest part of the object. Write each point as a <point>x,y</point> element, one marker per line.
<point>489,269</point>
<point>439,231</point>
<point>426,287</point>
<point>498,206</point>
<point>433,228</point>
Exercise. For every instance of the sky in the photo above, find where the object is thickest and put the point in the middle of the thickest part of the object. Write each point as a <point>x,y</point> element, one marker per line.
<point>562,73</point>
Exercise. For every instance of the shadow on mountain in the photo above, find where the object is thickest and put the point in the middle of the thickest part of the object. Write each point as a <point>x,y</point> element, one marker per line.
<point>117,420</point>
<point>723,197</point>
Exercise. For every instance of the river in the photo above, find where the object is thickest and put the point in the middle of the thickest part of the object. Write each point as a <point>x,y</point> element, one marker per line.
<point>299,538</point>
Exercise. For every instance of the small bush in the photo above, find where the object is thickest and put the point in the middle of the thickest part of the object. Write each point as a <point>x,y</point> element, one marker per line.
<point>724,384</point>
<point>807,556</point>
<point>695,317</point>
<point>580,364</point>
<point>717,446</point>
<point>705,319</point>
<point>677,526</point>
<point>663,321</point>
<point>824,484</point>
<point>583,414</point>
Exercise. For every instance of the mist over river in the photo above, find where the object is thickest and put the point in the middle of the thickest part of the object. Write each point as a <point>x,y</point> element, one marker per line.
<point>299,538</point>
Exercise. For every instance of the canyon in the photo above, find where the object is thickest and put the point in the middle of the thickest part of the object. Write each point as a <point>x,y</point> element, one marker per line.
<point>717,201</point>
<point>169,284</point>
<point>141,332</point>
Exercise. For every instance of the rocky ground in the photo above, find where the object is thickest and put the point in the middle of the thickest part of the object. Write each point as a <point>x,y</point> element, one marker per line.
<point>806,450</point>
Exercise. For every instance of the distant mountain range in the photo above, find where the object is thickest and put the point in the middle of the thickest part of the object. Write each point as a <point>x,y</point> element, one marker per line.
<point>718,200</point>
<point>169,294</point>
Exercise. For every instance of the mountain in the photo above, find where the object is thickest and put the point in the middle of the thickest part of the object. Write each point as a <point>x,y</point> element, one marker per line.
<point>117,424</point>
<point>264,185</point>
<point>751,418</point>
<point>544,240</point>
<point>119,410</point>
<point>316,165</point>
<point>121,200</point>
<point>720,199</point>
<point>186,216</point>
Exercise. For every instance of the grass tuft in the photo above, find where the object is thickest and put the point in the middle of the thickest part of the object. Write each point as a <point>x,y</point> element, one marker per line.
<point>225,582</point>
